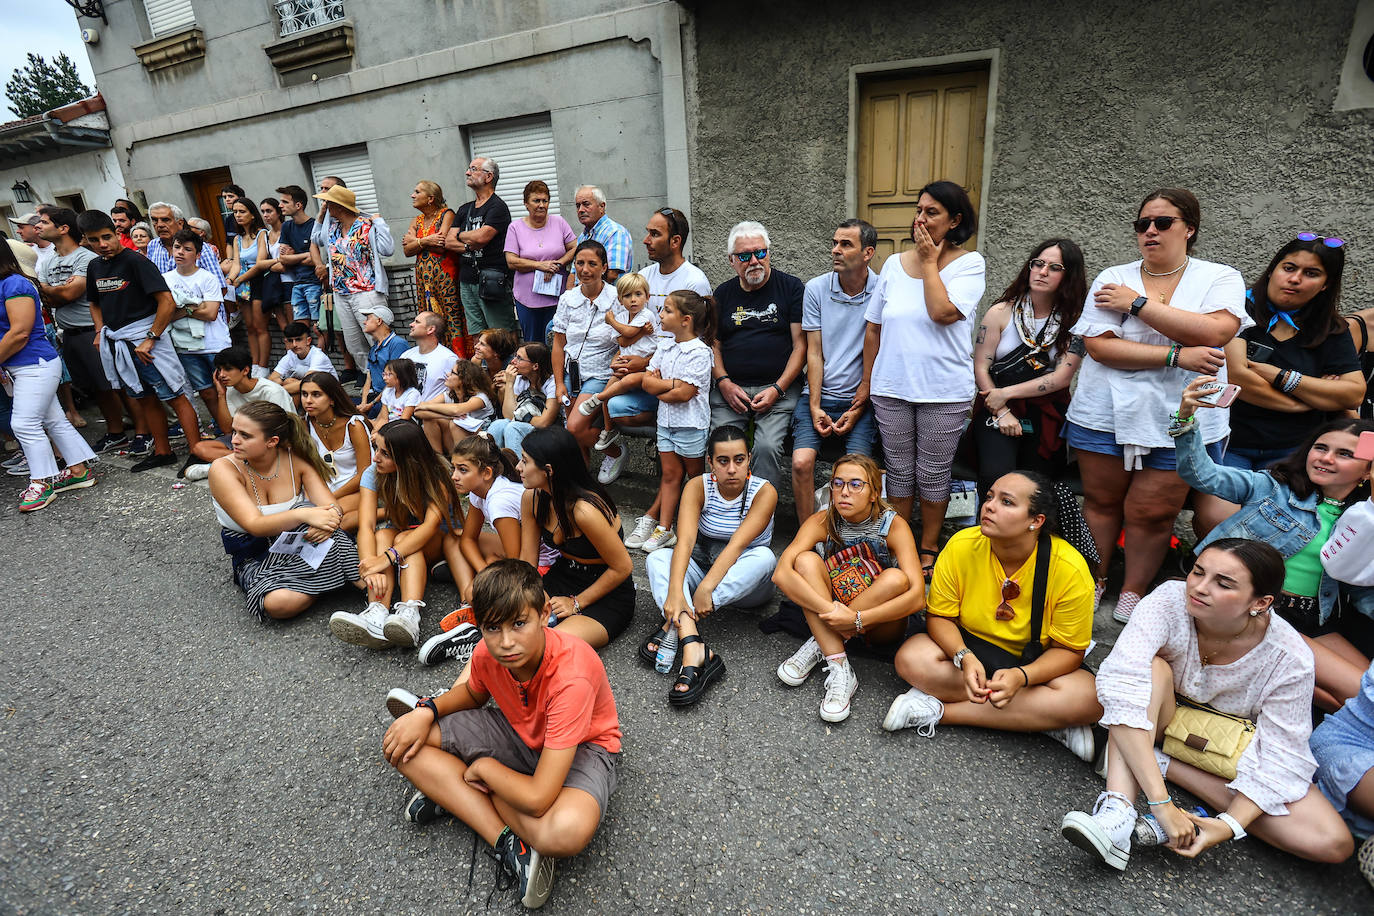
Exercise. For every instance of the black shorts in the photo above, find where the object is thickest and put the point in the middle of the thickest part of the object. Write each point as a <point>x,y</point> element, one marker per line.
<point>83,360</point>
<point>614,612</point>
<point>1304,614</point>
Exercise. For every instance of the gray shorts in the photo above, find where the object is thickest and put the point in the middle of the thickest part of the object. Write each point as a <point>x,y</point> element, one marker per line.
<point>485,732</point>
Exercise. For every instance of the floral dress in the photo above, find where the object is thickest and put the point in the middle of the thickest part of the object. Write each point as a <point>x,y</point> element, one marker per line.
<point>436,285</point>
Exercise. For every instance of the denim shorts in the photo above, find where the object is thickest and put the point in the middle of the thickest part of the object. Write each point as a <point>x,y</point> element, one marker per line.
<point>594,385</point>
<point>1157,459</point>
<point>686,441</point>
<point>1252,459</point>
<point>632,403</point>
<point>200,369</point>
<point>305,301</point>
<point>152,379</point>
<point>858,441</point>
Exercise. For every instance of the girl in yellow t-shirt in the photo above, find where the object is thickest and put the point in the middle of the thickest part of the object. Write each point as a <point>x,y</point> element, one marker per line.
<point>970,667</point>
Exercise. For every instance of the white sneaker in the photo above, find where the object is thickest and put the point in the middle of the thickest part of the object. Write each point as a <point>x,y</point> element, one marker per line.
<point>402,625</point>
<point>590,406</point>
<point>840,685</point>
<point>662,537</point>
<point>197,472</point>
<point>1078,739</point>
<point>795,670</point>
<point>1106,833</point>
<point>1125,603</point>
<point>607,438</point>
<point>642,531</point>
<point>914,709</point>
<point>363,629</point>
<point>400,701</point>
<point>611,467</point>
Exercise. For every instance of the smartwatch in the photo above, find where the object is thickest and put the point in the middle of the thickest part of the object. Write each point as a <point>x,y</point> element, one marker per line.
<point>1138,304</point>
<point>958,658</point>
<point>428,703</point>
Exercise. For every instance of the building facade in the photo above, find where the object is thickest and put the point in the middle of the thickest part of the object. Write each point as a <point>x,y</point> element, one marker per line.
<point>62,156</point>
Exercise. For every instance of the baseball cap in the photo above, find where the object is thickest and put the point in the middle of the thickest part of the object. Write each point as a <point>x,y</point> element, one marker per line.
<point>28,219</point>
<point>381,311</point>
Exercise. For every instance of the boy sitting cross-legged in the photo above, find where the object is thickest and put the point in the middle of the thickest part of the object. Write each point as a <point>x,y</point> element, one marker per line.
<point>533,774</point>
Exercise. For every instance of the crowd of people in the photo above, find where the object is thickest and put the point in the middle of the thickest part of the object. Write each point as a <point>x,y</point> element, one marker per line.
<point>480,447</point>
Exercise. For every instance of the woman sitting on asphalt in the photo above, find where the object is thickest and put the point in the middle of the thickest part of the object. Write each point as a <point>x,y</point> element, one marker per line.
<point>345,447</point>
<point>1293,506</point>
<point>273,484</point>
<point>866,581</point>
<point>988,658</point>
<point>1343,746</point>
<point>1211,641</point>
<point>721,559</point>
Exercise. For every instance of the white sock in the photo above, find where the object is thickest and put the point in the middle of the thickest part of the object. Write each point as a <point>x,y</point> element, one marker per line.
<point>837,662</point>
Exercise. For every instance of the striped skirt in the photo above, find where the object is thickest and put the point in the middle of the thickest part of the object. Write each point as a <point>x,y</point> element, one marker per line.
<point>259,572</point>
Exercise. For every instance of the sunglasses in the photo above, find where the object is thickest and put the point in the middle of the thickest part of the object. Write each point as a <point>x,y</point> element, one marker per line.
<point>1010,592</point>
<point>1328,241</point>
<point>1041,264</point>
<point>840,485</point>
<point>744,257</point>
<point>1162,223</point>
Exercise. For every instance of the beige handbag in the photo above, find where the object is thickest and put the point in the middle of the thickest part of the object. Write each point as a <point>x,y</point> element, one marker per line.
<point>1207,738</point>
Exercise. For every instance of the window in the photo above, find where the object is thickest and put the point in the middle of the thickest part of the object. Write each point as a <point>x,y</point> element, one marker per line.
<point>168,16</point>
<point>70,201</point>
<point>523,149</point>
<point>299,15</point>
<point>349,163</point>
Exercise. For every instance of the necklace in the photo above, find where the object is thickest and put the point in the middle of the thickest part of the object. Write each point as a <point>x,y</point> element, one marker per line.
<point>1327,500</point>
<point>1207,656</point>
<point>329,425</point>
<point>1167,273</point>
<point>270,477</point>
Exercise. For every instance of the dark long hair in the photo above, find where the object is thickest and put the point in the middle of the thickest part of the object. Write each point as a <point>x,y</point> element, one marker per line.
<point>257,225</point>
<point>334,390</point>
<point>542,357</point>
<point>1068,298</point>
<point>554,449</point>
<point>1292,470</point>
<point>421,479</point>
<point>1318,319</point>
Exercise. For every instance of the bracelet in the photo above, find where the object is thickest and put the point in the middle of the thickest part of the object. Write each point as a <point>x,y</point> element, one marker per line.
<point>1237,831</point>
<point>428,703</point>
<point>781,393</point>
<point>1171,358</point>
<point>858,621</point>
<point>1290,385</point>
<point>723,378</point>
<point>577,605</point>
<point>1166,801</point>
<point>1024,675</point>
<point>1279,380</point>
<point>1178,426</point>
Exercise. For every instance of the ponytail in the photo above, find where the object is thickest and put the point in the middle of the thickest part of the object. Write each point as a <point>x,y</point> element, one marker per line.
<point>701,309</point>
<point>481,449</point>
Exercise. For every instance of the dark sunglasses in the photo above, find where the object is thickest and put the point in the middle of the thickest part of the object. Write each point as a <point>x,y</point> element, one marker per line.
<point>671,216</point>
<point>1041,264</point>
<point>1328,241</point>
<point>1162,223</point>
<point>744,257</point>
<point>1010,592</point>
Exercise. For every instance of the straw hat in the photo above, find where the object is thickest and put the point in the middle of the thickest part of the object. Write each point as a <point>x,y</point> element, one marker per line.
<point>27,258</point>
<point>341,196</point>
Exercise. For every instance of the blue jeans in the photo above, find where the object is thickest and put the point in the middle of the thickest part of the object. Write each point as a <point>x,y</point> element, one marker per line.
<point>859,439</point>
<point>747,583</point>
<point>200,369</point>
<point>534,323</point>
<point>510,434</point>
<point>1252,459</point>
<point>632,403</point>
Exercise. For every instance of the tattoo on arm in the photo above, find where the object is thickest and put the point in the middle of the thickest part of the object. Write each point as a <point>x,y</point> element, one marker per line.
<point>982,333</point>
<point>1043,386</point>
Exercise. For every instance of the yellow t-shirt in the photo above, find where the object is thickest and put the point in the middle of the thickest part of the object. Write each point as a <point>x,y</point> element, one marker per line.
<point>967,586</point>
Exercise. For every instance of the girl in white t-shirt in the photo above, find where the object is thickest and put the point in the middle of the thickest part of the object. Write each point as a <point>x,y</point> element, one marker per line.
<point>484,473</point>
<point>466,406</point>
<point>400,394</point>
<point>530,401</point>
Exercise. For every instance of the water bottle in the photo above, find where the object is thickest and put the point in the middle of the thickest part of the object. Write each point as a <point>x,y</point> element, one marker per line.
<point>667,650</point>
<point>553,619</point>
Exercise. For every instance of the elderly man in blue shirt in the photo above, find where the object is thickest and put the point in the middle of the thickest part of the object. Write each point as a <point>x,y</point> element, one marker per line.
<point>591,213</point>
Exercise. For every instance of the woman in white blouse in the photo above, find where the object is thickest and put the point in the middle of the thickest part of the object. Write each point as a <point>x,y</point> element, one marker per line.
<point>1150,327</point>
<point>918,355</point>
<point>1211,640</point>
<point>583,343</point>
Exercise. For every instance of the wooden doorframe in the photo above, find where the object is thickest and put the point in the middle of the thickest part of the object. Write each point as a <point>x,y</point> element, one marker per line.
<point>203,187</point>
<point>896,69</point>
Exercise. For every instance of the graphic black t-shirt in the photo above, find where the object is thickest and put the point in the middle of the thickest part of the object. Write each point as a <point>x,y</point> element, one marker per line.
<point>755,327</point>
<point>123,288</point>
<point>493,213</point>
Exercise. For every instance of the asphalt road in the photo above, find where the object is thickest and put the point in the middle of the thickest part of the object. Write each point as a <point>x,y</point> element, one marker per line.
<point>161,752</point>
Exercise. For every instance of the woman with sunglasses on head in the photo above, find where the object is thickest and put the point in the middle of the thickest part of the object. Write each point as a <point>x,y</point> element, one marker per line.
<point>1024,359</point>
<point>1296,367</point>
<point>1210,641</point>
<point>983,660</point>
<point>1293,505</point>
<point>864,582</point>
<point>721,559</point>
<point>1149,327</point>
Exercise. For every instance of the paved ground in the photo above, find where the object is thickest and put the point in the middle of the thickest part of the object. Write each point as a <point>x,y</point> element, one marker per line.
<point>161,752</point>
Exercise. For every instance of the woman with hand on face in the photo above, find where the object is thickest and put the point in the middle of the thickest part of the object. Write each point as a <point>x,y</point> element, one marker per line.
<point>1149,327</point>
<point>529,401</point>
<point>1294,506</point>
<point>1210,641</point>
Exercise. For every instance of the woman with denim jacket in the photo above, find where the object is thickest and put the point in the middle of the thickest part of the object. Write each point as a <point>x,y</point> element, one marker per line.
<point>1293,506</point>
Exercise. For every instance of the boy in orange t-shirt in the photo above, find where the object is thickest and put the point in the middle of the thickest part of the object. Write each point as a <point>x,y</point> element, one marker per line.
<point>532,775</point>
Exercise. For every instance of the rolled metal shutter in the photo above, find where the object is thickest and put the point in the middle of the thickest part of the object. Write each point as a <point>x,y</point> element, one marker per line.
<point>168,16</point>
<point>523,148</point>
<point>351,164</point>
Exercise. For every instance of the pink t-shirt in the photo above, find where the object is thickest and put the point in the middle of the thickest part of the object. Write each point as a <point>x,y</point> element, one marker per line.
<point>547,244</point>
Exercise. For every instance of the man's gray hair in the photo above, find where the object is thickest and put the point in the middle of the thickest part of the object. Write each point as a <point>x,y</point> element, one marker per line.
<point>163,205</point>
<point>196,222</point>
<point>744,230</point>
<point>490,165</point>
<point>596,192</point>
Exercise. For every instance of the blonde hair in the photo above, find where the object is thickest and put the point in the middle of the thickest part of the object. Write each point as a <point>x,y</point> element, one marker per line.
<point>435,192</point>
<point>874,475</point>
<point>629,283</point>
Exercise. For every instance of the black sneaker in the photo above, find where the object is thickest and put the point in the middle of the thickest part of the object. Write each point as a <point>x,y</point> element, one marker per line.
<point>110,441</point>
<point>455,645</point>
<point>141,447</point>
<point>532,873</point>
<point>421,810</point>
<point>175,431</point>
<point>153,461</point>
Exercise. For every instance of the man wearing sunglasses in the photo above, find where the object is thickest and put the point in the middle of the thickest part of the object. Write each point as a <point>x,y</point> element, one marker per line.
<point>596,225</point>
<point>760,349</point>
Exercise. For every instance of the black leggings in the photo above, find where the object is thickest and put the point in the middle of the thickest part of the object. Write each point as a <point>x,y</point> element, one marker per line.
<point>614,612</point>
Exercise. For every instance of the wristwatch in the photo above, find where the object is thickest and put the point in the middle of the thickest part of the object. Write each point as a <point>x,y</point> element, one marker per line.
<point>1234,824</point>
<point>958,658</point>
<point>1138,304</point>
<point>151,336</point>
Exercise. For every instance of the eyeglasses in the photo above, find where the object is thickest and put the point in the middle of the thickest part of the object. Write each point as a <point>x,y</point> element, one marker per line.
<point>470,169</point>
<point>1041,264</point>
<point>1328,241</point>
<point>840,485</point>
<point>1162,223</point>
<point>1010,592</point>
<point>523,359</point>
<point>744,257</point>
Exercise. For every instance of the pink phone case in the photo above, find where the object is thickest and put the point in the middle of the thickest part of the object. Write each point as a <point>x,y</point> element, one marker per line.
<point>1365,449</point>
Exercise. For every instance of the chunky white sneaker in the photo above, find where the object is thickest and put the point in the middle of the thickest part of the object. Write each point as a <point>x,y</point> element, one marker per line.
<point>662,537</point>
<point>607,438</point>
<point>1106,833</point>
<point>642,531</point>
<point>611,467</point>
<point>1078,739</point>
<point>197,472</point>
<point>914,709</point>
<point>363,629</point>
<point>795,670</point>
<point>840,685</point>
<point>590,406</point>
<point>1125,603</point>
<point>402,625</point>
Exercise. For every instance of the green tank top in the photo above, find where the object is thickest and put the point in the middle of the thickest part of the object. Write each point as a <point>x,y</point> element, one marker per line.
<point>1303,570</point>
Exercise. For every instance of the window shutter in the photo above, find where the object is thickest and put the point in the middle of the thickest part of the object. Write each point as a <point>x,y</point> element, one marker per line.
<point>523,148</point>
<point>351,164</point>
<point>168,16</point>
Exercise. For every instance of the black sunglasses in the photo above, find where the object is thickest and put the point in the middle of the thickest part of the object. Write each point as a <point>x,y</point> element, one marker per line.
<point>1162,223</point>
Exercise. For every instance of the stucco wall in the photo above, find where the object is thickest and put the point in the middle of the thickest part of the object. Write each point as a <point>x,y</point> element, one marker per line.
<point>93,174</point>
<point>1096,103</point>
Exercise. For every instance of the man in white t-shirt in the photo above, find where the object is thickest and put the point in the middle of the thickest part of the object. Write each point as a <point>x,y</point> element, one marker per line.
<point>433,361</point>
<point>26,227</point>
<point>199,330</point>
<point>302,358</point>
<point>233,370</point>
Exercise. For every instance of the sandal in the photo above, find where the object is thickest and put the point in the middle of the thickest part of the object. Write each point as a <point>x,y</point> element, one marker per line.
<point>648,650</point>
<point>696,678</point>
<point>928,571</point>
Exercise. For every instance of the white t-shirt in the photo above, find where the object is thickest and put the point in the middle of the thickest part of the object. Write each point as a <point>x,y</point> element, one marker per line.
<point>690,362</point>
<point>645,317</point>
<point>687,276</point>
<point>264,390</point>
<point>1135,404</point>
<point>394,403</point>
<point>202,286</point>
<point>502,500</point>
<point>292,366</point>
<point>476,420</point>
<point>431,369</point>
<point>919,359</point>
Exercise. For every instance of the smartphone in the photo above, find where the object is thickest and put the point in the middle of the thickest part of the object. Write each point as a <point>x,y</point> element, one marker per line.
<point>1365,450</point>
<point>1257,352</point>
<point>1028,427</point>
<point>1219,395</point>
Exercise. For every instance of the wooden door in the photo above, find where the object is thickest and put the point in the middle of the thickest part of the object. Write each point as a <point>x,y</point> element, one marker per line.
<point>207,204</point>
<point>913,131</point>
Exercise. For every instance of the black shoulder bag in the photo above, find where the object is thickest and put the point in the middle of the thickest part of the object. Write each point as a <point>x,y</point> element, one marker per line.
<point>1042,575</point>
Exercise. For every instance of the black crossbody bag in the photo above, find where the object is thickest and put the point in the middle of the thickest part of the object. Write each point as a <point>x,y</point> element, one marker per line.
<point>1034,647</point>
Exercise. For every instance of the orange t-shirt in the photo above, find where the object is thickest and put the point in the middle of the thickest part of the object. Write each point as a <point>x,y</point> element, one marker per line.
<point>568,701</point>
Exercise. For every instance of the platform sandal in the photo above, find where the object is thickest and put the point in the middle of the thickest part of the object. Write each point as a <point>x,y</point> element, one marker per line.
<point>696,678</point>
